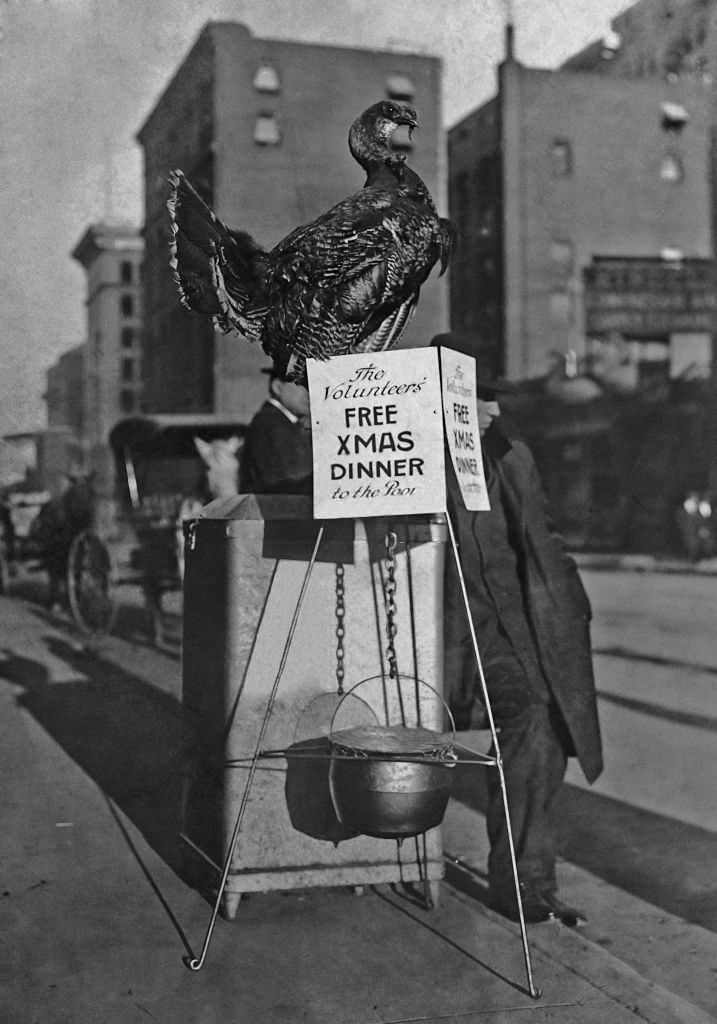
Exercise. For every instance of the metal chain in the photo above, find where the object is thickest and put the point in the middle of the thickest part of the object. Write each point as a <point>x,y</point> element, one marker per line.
<point>389,592</point>
<point>340,630</point>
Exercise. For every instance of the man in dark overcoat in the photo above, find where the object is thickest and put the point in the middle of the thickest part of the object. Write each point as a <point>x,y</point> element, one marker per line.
<point>277,453</point>
<point>531,616</point>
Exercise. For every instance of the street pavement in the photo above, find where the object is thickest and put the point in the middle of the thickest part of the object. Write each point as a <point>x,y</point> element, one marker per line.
<point>96,913</point>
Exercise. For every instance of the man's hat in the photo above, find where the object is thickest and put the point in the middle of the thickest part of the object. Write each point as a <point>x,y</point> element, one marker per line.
<point>487,386</point>
<point>271,373</point>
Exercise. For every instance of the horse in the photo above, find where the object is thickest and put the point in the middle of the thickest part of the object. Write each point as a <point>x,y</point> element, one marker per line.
<point>221,459</point>
<point>221,480</point>
<point>59,521</point>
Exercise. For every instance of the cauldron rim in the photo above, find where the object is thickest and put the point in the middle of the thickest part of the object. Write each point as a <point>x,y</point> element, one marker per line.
<point>390,741</point>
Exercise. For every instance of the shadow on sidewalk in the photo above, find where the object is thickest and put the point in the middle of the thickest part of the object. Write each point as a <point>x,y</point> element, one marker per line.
<point>662,861</point>
<point>131,622</point>
<point>124,733</point>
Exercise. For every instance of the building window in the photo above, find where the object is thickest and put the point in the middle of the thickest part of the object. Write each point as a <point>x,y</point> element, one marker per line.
<point>266,130</point>
<point>126,270</point>
<point>562,256</point>
<point>127,369</point>
<point>673,117</point>
<point>611,43</point>
<point>266,79</point>
<point>127,337</point>
<point>127,305</point>
<point>561,158</point>
<point>126,400</point>
<point>671,168</point>
<point>399,87</point>
<point>671,254</point>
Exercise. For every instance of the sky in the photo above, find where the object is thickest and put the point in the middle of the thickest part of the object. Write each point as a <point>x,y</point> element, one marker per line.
<point>78,78</point>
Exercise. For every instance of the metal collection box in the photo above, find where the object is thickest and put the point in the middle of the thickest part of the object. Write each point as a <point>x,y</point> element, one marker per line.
<point>246,564</point>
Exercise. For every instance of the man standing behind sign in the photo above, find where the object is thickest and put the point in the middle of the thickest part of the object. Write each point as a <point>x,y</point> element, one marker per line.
<point>277,458</point>
<point>531,616</point>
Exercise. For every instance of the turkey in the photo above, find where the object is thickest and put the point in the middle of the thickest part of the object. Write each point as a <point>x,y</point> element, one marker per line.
<point>348,282</point>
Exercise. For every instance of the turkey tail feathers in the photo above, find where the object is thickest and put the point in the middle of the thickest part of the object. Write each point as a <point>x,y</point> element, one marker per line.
<point>217,270</point>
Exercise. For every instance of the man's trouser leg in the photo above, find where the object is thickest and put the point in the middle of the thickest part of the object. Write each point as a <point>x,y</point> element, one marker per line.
<point>534,763</point>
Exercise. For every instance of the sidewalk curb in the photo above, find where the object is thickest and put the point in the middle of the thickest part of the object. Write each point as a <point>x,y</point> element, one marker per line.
<point>644,563</point>
<point>589,961</point>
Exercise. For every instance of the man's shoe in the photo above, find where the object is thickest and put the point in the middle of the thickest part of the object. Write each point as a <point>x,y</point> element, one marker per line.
<point>570,916</point>
<point>538,907</point>
<point>535,908</point>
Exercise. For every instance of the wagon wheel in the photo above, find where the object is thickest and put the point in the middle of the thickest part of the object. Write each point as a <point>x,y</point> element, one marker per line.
<point>88,584</point>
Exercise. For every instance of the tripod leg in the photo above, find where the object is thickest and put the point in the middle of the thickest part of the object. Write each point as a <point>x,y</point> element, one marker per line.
<point>196,963</point>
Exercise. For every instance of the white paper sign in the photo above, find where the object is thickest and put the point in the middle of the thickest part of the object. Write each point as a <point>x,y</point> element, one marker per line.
<point>377,426</point>
<point>458,384</point>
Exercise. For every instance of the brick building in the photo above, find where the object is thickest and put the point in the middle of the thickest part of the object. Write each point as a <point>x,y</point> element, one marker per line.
<point>557,172</point>
<point>260,127</point>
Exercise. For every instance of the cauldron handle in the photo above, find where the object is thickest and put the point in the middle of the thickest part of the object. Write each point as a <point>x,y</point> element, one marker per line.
<point>370,679</point>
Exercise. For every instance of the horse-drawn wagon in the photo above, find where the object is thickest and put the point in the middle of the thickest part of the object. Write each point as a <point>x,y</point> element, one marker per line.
<point>166,468</point>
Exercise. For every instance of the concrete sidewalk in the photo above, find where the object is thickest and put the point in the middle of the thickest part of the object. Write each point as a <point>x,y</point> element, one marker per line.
<point>95,917</point>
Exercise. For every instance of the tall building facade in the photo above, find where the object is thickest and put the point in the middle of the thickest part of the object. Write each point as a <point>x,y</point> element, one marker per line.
<point>576,193</point>
<point>112,259</point>
<point>260,127</point>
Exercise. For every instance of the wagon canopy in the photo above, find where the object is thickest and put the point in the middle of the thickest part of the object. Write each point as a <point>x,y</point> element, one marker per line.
<point>156,456</point>
<point>165,435</point>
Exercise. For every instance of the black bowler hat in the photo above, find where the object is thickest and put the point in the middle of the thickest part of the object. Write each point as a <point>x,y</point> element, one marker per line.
<point>487,387</point>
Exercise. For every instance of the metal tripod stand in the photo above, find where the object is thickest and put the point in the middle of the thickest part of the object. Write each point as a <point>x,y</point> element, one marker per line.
<point>196,963</point>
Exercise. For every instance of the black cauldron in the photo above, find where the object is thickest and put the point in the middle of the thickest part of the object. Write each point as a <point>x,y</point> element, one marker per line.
<point>390,782</point>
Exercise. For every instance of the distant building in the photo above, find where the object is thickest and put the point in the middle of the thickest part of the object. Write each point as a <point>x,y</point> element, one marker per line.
<point>60,455</point>
<point>64,396</point>
<point>112,257</point>
<point>580,202</point>
<point>672,40</point>
<point>260,127</point>
<point>41,461</point>
<point>18,457</point>
<point>656,39</point>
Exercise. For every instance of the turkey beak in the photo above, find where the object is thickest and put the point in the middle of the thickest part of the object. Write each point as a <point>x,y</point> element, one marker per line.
<point>410,118</point>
